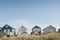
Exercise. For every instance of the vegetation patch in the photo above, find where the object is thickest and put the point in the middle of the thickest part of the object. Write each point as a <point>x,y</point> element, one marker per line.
<point>49,36</point>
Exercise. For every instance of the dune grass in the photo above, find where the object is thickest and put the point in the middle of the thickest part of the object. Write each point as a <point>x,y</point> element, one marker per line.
<point>49,36</point>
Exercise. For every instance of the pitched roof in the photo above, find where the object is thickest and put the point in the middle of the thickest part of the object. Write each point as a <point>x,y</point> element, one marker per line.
<point>36,27</point>
<point>23,27</point>
<point>50,26</point>
<point>8,26</point>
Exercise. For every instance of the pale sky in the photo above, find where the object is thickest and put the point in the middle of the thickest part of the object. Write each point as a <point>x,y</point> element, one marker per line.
<point>30,13</point>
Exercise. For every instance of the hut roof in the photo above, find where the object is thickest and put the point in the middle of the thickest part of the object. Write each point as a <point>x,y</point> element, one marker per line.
<point>8,26</point>
<point>36,27</point>
<point>50,26</point>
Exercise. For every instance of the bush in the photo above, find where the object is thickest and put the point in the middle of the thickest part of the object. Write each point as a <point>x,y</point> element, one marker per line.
<point>49,36</point>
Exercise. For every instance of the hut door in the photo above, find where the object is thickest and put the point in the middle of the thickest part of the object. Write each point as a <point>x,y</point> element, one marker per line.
<point>8,32</point>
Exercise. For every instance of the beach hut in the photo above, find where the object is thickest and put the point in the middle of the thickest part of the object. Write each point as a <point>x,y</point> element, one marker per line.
<point>7,29</point>
<point>36,30</point>
<point>49,29</point>
<point>23,30</point>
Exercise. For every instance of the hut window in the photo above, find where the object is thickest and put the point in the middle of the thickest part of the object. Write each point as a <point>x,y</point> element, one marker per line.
<point>8,32</point>
<point>5,31</point>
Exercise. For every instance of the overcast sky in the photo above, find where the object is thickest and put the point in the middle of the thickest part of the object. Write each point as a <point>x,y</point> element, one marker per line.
<point>30,13</point>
